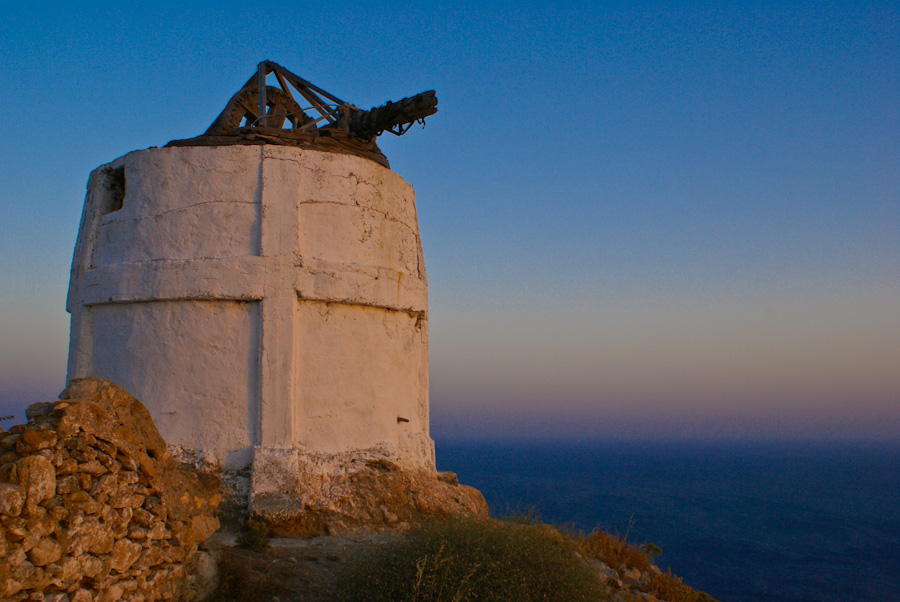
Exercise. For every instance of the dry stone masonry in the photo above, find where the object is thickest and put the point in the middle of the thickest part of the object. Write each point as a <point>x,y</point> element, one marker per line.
<point>94,509</point>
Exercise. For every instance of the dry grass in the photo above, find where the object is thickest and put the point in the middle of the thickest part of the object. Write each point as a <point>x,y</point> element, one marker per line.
<point>472,561</point>
<point>670,588</point>
<point>450,561</point>
<point>614,551</point>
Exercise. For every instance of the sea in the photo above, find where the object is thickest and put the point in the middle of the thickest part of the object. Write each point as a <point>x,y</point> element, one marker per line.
<point>744,522</point>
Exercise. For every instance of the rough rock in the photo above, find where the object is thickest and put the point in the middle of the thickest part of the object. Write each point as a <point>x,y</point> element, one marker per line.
<point>44,552</point>
<point>34,474</point>
<point>629,584</point>
<point>93,508</point>
<point>341,494</point>
<point>12,499</point>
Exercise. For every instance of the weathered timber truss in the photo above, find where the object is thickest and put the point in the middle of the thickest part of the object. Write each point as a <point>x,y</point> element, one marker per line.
<point>299,113</point>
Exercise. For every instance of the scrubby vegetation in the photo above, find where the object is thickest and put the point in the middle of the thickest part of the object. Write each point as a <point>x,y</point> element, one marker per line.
<point>670,588</point>
<point>617,553</point>
<point>255,536</point>
<point>613,550</point>
<point>459,560</point>
<point>471,560</point>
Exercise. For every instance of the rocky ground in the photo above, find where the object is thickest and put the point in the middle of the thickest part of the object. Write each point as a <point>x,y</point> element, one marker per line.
<point>295,570</point>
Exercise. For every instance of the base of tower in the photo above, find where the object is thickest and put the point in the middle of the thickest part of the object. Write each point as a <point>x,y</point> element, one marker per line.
<point>304,494</point>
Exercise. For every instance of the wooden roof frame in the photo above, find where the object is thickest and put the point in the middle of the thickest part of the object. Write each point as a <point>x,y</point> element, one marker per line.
<point>327,105</point>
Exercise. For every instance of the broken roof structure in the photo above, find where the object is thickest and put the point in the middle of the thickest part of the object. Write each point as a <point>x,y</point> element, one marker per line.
<point>299,113</point>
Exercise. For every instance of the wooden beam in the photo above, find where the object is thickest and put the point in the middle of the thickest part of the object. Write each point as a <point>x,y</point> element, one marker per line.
<point>301,83</point>
<point>312,123</point>
<point>305,92</point>
<point>261,82</point>
<point>284,86</point>
<point>317,103</point>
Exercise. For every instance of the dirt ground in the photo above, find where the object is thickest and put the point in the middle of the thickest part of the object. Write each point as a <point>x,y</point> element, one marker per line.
<point>290,570</point>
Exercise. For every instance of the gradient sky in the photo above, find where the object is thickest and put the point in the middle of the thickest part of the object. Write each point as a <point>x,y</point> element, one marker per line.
<point>669,220</point>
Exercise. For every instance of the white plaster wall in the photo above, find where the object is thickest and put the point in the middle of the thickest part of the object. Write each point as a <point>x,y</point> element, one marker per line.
<point>181,356</point>
<point>359,370</point>
<point>258,295</point>
<point>192,204</point>
<point>354,234</point>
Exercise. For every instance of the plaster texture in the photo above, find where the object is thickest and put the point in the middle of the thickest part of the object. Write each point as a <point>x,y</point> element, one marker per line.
<point>266,303</point>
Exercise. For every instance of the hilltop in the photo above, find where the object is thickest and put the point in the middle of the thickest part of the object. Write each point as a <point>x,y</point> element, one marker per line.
<point>455,560</point>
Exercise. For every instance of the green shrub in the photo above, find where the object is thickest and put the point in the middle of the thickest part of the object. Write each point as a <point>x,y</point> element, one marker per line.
<point>651,549</point>
<point>255,538</point>
<point>471,561</point>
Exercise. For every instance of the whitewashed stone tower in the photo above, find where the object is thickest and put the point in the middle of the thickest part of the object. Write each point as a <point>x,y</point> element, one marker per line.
<point>262,290</point>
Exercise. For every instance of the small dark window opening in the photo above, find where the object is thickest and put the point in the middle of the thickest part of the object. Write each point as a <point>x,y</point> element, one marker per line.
<point>115,187</point>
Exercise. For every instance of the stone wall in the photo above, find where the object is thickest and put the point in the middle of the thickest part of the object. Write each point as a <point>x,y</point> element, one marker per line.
<point>94,509</point>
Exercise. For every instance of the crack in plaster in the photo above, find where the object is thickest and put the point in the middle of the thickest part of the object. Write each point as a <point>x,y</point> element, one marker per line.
<point>387,216</point>
<point>189,207</point>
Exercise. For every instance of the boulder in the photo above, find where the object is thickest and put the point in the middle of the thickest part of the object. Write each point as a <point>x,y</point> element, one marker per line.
<point>361,491</point>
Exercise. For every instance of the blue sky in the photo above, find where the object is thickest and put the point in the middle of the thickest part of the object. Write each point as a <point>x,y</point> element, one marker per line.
<point>662,220</point>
